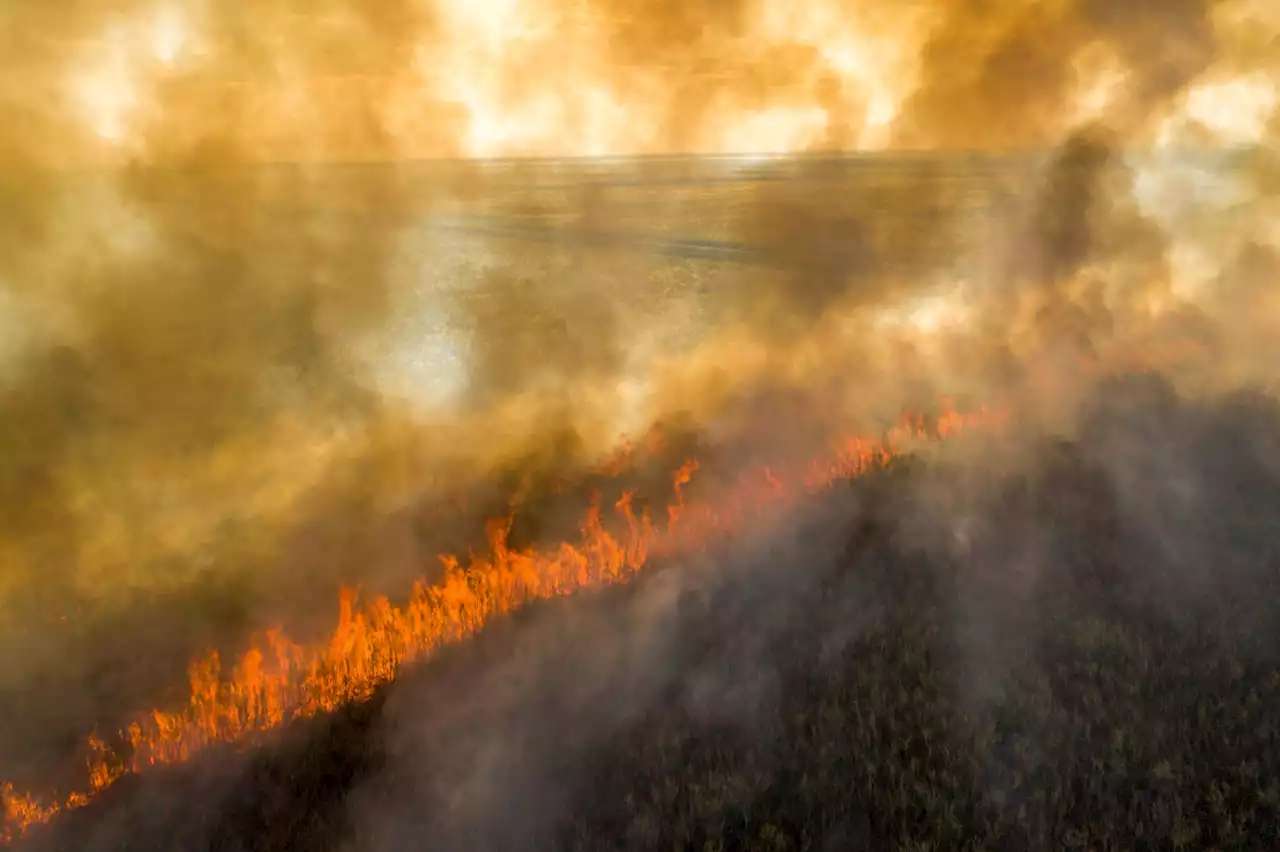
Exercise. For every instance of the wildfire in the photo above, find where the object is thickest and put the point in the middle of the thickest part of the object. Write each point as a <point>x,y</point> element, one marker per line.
<point>278,680</point>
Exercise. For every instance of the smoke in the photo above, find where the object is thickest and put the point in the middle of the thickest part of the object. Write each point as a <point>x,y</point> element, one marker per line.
<point>188,385</point>
<point>1012,77</point>
<point>216,259</point>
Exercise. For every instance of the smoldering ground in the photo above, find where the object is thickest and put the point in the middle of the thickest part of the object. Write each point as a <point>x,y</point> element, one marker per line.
<point>1155,520</point>
<point>196,447</point>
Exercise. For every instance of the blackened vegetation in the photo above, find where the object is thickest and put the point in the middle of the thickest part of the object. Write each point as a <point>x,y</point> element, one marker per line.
<point>1081,655</point>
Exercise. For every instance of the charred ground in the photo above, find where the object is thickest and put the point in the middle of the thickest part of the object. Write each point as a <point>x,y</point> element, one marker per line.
<point>1075,651</point>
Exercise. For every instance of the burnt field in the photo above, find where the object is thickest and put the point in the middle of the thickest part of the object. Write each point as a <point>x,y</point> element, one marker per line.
<point>1077,649</point>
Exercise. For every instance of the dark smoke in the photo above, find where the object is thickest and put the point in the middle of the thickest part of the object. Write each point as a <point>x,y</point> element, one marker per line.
<point>1157,512</point>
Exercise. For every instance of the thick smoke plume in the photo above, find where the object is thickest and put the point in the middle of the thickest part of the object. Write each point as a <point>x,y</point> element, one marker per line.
<point>220,259</point>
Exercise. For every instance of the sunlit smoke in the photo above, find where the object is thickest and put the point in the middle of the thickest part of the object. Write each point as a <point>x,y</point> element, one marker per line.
<point>247,326</point>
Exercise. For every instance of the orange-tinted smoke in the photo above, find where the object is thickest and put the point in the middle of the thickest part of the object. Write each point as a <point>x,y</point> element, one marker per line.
<point>178,80</point>
<point>190,387</point>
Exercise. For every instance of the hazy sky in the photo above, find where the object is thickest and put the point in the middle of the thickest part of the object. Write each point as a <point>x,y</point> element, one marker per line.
<point>104,79</point>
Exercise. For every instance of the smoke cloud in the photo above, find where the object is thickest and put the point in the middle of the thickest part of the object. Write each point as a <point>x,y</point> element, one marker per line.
<point>254,346</point>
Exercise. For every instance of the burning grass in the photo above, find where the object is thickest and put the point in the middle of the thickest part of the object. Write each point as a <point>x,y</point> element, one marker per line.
<point>278,680</point>
<point>1116,703</point>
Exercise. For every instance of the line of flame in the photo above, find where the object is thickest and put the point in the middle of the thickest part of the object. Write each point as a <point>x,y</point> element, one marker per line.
<point>279,681</point>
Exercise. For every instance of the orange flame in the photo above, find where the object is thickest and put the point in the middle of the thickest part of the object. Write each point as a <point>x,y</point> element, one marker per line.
<point>279,681</point>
